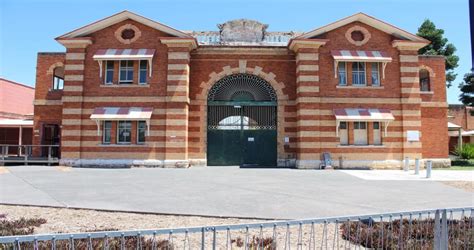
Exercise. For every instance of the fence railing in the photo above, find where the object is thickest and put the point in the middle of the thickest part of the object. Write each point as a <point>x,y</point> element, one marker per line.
<point>425,229</point>
<point>11,153</point>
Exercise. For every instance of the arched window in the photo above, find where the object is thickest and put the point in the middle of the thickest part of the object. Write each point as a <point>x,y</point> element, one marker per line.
<point>425,80</point>
<point>58,78</point>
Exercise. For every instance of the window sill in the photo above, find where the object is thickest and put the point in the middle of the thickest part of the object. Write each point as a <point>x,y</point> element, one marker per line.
<point>125,85</point>
<point>358,87</point>
<point>122,145</point>
<point>426,92</point>
<point>361,146</point>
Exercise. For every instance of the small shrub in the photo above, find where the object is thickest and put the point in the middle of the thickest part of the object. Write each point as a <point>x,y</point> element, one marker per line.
<point>256,243</point>
<point>465,152</point>
<point>20,226</point>
<point>372,234</point>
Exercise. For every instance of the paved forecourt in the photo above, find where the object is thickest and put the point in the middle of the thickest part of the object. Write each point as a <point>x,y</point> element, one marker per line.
<point>223,191</point>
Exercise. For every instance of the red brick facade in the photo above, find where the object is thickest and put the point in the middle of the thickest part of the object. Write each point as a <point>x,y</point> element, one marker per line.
<point>302,73</point>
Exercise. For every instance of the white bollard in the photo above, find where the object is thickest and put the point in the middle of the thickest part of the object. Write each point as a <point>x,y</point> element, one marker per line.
<point>428,169</point>
<point>417,166</point>
<point>406,165</point>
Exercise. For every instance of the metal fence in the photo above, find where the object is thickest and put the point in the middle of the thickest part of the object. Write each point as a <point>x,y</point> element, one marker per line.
<point>426,229</point>
<point>25,154</point>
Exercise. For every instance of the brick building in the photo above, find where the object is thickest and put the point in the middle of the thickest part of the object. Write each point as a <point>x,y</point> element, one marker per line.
<point>16,114</point>
<point>460,121</point>
<point>132,91</point>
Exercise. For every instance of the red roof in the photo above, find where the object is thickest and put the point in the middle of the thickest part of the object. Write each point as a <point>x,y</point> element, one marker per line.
<point>15,99</point>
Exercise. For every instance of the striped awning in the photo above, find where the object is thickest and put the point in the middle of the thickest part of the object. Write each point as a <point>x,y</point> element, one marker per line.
<point>122,113</point>
<point>363,115</point>
<point>360,56</point>
<point>124,54</point>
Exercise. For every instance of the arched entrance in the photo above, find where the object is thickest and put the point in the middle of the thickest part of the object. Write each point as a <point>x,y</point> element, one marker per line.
<point>242,122</point>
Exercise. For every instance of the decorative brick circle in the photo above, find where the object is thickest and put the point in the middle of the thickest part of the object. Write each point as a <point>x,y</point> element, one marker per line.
<point>358,35</point>
<point>127,33</point>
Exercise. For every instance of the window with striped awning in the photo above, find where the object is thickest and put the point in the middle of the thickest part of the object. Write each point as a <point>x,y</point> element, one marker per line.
<point>360,56</point>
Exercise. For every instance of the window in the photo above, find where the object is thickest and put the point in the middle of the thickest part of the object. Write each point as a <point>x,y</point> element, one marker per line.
<point>124,132</point>
<point>377,135</point>
<point>107,136</point>
<point>343,133</point>
<point>141,130</point>
<point>425,80</point>
<point>358,73</point>
<point>58,78</point>
<point>360,133</point>
<point>375,75</point>
<point>341,71</point>
<point>109,72</point>
<point>126,72</point>
<point>142,73</point>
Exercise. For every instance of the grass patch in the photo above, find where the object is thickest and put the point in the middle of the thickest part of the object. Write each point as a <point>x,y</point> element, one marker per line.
<point>456,168</point>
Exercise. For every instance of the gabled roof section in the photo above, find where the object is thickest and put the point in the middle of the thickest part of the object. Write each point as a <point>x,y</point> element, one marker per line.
<point>119,17</point>
<point>369,20</point>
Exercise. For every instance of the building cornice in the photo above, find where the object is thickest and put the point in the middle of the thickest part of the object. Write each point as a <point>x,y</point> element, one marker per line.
<point>190,43</point>
<point>296,44</point>
<point>81,42</point>
<point>408,45</point>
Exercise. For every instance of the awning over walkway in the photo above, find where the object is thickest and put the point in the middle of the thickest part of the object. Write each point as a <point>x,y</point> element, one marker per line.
<point>122,114</point>
<point>453,126</point>
<point>123,54</point>
<point>360,56</point>
<point>363,115</point>
<point>16,123</point>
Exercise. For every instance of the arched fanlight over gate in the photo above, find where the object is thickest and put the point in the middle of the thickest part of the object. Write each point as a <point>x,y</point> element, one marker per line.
<point>242,87</point>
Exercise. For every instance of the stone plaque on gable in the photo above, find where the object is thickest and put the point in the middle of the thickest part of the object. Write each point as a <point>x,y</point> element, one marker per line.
<point>242,30</point>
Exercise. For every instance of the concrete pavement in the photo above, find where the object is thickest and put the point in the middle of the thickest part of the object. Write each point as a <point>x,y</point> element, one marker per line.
<point>223,191</point>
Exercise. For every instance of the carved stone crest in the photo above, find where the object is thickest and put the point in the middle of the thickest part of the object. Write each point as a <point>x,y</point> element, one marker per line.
<point>242,30</point>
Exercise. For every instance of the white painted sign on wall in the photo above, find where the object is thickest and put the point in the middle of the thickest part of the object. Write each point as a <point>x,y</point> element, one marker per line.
<point>413,135</point>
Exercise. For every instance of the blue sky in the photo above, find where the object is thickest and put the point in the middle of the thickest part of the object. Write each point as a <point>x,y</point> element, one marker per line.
<point>30,26</point>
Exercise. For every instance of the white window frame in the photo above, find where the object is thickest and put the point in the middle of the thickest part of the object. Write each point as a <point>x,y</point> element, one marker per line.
<point>358,72</point>
<point>339,73</point>
<point>358,127</point>
<point>344,132</point>
<point>144,71</point>
<point>118,133</point>
<point>104,131</point>
<point>127,69</point>
<point>107,70</point>
<point>379,132</point>
<point>144,131</point>
<point>377,71</point>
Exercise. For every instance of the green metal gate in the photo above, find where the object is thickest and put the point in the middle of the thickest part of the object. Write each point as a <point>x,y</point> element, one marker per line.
<point>242,122</point>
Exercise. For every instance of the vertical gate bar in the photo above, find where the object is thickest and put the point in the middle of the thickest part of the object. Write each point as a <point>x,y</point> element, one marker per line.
<point>444,230</point>
<point>203,235</point>
<point>214,238</point>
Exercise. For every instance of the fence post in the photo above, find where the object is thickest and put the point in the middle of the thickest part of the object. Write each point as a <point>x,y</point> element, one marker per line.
<point>406,165</point>
<point>417,166</point>
<point>437,232</point>
<point>428,169</point>
<point>49,155</point>
<point>3,156</point>
<point>203,238</point>
<point>444,230</point>
<point>26,156</point>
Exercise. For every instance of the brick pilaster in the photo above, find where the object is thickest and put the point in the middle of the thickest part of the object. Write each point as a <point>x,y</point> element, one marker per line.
<point>72,98</point>
<point>410,95</point>
<point>177,100</point>
<point>308,147</point>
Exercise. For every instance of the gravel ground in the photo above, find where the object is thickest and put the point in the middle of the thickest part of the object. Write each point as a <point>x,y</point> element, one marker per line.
<point>79,220</point>
<point>465,185</point>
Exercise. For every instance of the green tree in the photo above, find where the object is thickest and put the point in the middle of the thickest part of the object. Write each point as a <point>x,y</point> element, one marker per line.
<point>467,90</point>
<point>439,46</point>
